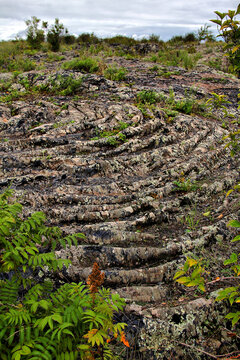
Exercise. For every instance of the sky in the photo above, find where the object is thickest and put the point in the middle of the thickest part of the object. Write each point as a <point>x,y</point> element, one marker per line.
<point>137,18</point>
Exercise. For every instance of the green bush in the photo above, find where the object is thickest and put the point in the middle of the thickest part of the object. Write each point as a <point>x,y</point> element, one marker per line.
<point>87,65</point>
<point>69,39</point>
<point>229,29</point>
<point>88,38</point>
<point>120,40</point>
<point>172,57</point>
<point>63,85</point>
<point>37,320</point>
<point>115,73</point>
<point>55,34</point>
<point>35,36</point>
<point>147,97</point>
<point>205,34</point>
<point>190,37</point>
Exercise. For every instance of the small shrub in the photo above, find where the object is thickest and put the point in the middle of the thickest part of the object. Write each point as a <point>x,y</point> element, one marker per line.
<point>154,38</point>
<point>176,39</point>
<point>205,34</point>
<point>88,38</point>
<point>229,29</point>
<point>55,34</point>
<point>21,64</point>
<point>115,73</point>
<point>69,39</point>
<point>183,185</point>
<point>63,85</point>
<point>35,36</point>
<point>190,37</point>
<point>120,40</point>
<point>87,65</point>
<point>147,97</point>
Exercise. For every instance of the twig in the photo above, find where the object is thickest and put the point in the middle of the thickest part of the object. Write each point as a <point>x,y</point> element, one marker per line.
<point>222,279</point>
<point>206,353</point>
<point>200,350</point>
<point>232,353</point>
<point>235,335</point>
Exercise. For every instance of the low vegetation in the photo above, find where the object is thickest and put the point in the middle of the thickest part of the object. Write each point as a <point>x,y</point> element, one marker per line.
<point>39,320</point>
<point>85,65</point>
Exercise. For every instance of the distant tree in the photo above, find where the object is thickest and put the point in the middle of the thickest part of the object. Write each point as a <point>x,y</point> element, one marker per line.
<point>69,39</point>
<point>55,34</point>
<point>35,36</point>
<point>154,38</point>
<point>205,34</point>
<point>190,37</point>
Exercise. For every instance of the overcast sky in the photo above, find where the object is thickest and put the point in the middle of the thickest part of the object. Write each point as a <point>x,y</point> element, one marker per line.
<point>110,17</point>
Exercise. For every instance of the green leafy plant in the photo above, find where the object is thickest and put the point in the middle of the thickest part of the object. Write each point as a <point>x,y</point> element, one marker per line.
<point>184,185</point>
<point>218,101</point>
<point>38,320</point>
<point>35,36</point>
<point>191,274</point>
<point>205,34</point>
<point>233,142</point>
<point>230,31</point>
<point>190,220</point>
<point>115,73</point>
<point>63,85</point>
<point>55,34</point>
<point>147,97</point>
<point>194,272</point>
<point>87,65</point>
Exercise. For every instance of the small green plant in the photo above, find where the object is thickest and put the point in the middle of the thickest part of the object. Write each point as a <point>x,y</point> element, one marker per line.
<point>195,277</point>
<point>115,73</point>
<point>87,65</point>
<point>12,95</point>
<point>233,142</point>
<point>183,185</point>
<point>19,64</point>
<point>218,101</point>
<point>114,137</point>
<point>191,274</point>
<point>54,57</point>
<point>38,321</point>
<point>24,81</point>
<point>63,85</point>
<point>190,220</point>
<point>147,97</point>
<point>167,74</point>
<point>205,34</point>
<point>154,68</point>
<point>184,106</point>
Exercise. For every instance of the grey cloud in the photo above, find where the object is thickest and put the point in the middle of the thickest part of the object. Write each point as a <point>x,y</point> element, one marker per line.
<point>108,16</point>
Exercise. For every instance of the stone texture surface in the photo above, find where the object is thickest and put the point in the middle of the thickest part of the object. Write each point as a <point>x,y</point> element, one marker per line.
<point>123,197</point>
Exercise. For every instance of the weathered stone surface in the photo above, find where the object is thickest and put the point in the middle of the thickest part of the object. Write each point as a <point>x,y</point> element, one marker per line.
<point>121,194</point>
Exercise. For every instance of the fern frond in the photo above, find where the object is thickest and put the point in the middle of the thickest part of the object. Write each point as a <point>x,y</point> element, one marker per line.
<point>8,292</point>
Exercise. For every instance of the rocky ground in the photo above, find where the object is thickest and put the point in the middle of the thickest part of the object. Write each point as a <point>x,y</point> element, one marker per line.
<point>125,191</point>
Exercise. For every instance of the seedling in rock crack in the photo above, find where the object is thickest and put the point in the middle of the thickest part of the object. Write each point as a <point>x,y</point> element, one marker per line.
<point>153,68</point>
<point>191,274</point>
<point>218,101</point>
<point>183,185</point>
<point>190,220</point>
